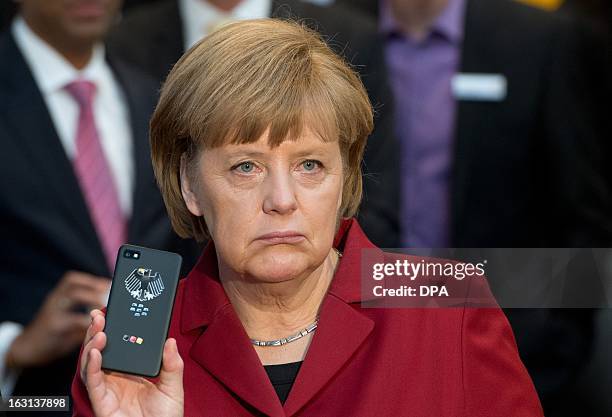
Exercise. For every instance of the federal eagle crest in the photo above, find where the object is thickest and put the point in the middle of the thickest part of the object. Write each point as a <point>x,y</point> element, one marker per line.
<point>144,284</point>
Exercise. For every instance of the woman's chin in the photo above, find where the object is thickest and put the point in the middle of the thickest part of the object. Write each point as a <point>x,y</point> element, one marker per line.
<point>279,266</point>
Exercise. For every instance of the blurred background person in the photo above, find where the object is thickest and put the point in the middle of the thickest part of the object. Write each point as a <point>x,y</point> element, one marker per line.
<point>497,122</point>
<point>153,37</point>
<point>75,183</point>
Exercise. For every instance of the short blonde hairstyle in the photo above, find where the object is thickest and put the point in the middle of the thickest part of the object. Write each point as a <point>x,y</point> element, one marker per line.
<point>247,78</point>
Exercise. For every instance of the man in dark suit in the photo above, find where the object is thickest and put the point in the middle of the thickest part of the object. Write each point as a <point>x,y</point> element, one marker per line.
<point>75,182</point>
<point>497,138</point>
<point>155,36</point>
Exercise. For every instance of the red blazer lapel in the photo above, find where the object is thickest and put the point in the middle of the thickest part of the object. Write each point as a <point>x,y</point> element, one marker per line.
<point>225,351</point>
<point>340,332</point>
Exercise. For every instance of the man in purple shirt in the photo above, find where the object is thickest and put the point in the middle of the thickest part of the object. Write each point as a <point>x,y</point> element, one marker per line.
<point>493,126</point>
<point>492,112</point>
<point>422,60</point>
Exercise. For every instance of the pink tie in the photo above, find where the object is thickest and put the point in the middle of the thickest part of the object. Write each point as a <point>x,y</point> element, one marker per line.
<point>95,177</point>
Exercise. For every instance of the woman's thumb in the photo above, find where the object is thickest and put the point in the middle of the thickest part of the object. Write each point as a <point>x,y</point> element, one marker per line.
<point>171,375</point>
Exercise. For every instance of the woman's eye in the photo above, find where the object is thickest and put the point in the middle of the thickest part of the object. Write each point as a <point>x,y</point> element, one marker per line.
<point>310,165</point>
<point>245,167</point>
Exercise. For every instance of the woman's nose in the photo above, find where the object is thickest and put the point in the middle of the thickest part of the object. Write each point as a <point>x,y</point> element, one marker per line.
<point>279,197</point>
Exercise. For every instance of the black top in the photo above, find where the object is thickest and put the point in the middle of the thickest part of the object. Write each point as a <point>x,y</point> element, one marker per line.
<point>282,377</point>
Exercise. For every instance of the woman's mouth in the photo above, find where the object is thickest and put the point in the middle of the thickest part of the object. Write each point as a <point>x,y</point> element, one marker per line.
<point>289,236</point>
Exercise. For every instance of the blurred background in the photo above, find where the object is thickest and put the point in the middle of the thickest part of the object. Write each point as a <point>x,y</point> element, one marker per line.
<point>493,130</point>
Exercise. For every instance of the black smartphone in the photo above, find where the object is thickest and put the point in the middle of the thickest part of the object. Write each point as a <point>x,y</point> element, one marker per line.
<point>139,309</point>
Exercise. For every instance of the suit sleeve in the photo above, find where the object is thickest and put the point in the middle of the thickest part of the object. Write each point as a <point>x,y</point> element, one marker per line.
<point>495,381</point>
<point>379,214</point>
<point>577,131</point>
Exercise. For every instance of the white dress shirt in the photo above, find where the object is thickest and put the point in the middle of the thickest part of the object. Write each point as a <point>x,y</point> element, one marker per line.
<point>52,72</point>
<point>199,17</point>
<point>8,332</point>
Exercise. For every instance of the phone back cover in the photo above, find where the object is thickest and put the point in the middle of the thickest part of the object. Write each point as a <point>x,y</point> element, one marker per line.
<point>139,310</point>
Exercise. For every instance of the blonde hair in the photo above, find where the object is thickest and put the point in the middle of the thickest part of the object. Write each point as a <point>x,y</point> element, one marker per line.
<point>247,78</point>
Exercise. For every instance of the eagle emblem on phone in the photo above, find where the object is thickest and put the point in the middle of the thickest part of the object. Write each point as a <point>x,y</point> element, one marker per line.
<point>144,284</point>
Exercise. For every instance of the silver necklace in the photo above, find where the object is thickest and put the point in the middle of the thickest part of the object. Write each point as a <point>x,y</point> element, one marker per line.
<point>284,340</point>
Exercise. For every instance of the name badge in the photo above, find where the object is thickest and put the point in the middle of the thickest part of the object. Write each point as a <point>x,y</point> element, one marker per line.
<point>480,87</point>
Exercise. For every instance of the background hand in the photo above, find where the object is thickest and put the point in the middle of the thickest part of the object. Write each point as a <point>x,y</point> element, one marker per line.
<point>57,329</point>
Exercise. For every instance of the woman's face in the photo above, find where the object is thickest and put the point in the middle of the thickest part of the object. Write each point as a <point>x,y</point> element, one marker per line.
<point>271,212</point>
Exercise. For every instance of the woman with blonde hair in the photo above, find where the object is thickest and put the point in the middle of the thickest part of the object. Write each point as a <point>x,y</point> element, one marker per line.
<point>257,143</point>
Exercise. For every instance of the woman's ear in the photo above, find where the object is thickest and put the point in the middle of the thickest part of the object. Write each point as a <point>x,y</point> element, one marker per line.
<point>187,188</point>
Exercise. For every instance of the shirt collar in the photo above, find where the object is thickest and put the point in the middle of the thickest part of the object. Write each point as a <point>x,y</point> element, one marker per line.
<point>51,71</point>
<point>450,23</point>
<point>200,17</point>
<point>203,295</point>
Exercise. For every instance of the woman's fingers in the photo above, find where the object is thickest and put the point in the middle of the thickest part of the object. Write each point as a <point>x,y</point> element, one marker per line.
<point>98,342</point>
<point>171,375</point>
<point>96,313</point>
<point>97,324</point>
<point>97,320</point>
<point>96,386</point>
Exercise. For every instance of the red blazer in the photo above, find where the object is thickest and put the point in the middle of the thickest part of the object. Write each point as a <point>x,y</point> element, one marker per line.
<point>452,362</point>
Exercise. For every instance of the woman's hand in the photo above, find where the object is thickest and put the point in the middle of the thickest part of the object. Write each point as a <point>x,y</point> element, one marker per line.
<point>115,394</point>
